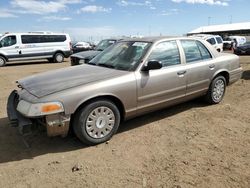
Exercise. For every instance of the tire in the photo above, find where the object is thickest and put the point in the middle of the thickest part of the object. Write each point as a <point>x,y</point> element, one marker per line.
<point>97,122</point>
<point>2,61</point>
<point>216,90</point>
<point>58,57</point>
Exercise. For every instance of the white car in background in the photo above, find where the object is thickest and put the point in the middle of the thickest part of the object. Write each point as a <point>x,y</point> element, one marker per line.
<point>215,40</point>
<point>238,39</point>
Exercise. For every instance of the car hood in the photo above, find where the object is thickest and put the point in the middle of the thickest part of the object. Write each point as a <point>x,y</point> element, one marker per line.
<point>54,81</point>
<point>86,54</point>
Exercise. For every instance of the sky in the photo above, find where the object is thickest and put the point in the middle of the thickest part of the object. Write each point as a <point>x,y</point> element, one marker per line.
<point>91,20</point>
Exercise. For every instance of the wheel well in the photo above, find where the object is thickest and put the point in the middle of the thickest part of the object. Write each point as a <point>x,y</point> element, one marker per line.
<point>225,75</point>
<point>6,59</point>
<point>58,51</point>
<point>113,99</point>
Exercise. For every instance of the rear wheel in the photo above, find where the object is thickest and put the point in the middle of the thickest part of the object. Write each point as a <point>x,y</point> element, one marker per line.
<point>216,90</point>
<point>2,61</point>
<point>58,57</point>
<point>97,122</point>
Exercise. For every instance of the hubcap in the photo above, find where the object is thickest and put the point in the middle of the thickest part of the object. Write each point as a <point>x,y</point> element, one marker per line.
<point>100,122</point>
<point>218,91</point>
<point>59,58</point>
<point>1,62</point>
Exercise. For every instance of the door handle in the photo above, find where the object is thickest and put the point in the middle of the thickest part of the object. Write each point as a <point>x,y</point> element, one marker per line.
<point>181,73</point>
<point>16,46</point>
<point>211,66</point>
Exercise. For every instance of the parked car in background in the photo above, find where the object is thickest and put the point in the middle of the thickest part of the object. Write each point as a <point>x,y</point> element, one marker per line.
<point>86,56</point>
<point>215,40</point>
<point>34,45</point>
<point>81,46</point>
<point>227,43</point>
<point>238,40</point>
<point>130,78</point>
<point>243,49</point>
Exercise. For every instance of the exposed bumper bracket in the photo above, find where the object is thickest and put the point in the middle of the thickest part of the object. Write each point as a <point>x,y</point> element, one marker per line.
<point>17,119</point>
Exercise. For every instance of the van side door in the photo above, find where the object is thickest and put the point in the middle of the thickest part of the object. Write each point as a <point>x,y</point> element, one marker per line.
<point>9,46</point>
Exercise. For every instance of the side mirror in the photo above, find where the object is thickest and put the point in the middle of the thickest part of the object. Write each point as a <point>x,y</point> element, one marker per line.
<point>152,65</point>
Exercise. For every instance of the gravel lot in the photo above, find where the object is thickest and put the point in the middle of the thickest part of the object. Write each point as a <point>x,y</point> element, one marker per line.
<point>189,145</point>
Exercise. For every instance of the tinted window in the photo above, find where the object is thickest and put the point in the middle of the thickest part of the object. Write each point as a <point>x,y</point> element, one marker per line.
<point>8,41</point>
<point>26,39</point>
<point>219,40</point>
<point>211,41</point>
<point>167,53</point>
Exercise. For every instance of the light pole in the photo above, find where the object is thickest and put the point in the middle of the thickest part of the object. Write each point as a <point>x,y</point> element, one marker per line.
<point>208,20</point>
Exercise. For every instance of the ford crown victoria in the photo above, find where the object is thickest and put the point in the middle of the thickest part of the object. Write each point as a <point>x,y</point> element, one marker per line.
<point>131,78</point>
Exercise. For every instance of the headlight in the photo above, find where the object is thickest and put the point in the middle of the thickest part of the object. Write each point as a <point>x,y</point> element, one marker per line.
<point>39,109</point>
<point>81,61</point>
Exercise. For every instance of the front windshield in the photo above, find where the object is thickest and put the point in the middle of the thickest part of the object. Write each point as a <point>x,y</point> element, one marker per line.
<point>124,55</point>
<point>104,44</point>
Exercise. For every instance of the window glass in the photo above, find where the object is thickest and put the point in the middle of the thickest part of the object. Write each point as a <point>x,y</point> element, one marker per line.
<point>211,41</point>
<point>219,40</point>
<point>167,53</point>
<point>124,55</point>
<point>204,51</point>
<point>27,39</point>
<point>191,50</point>
<point>104,44</point>
<point>8,41</point>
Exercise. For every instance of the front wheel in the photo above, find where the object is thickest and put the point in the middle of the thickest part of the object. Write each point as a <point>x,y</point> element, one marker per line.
<point>97,122</point>
<point>2,61</point>
<point>216,90</point>
<point>58,57</point>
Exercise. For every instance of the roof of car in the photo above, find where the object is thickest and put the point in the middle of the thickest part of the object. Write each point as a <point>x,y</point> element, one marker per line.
<point>154,39</point>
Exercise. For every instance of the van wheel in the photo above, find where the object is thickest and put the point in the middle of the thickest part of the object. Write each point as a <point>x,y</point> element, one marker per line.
<point>2,61</point>
<point>58,57</point>
<point>216,90</point>
<point>96,122</point>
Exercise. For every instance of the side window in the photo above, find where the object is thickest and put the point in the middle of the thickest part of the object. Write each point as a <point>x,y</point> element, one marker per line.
<point>8,41</point>
<point>27,39</point>
<point>211,41</point>
<point>219,40</point>
<point>195,51</point>
<point>191,50</point>
<point>167,53</point>
<point>204,51</point>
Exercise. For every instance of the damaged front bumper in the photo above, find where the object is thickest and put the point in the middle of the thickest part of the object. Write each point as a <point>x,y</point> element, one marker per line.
<point>56,124</point>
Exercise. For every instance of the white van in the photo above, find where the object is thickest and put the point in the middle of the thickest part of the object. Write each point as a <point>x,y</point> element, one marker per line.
<point>34,45</point>
<point>238,39</point>
<point>215,40</point>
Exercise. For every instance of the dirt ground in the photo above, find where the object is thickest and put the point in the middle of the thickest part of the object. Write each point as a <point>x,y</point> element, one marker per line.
<point>189,145</point>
